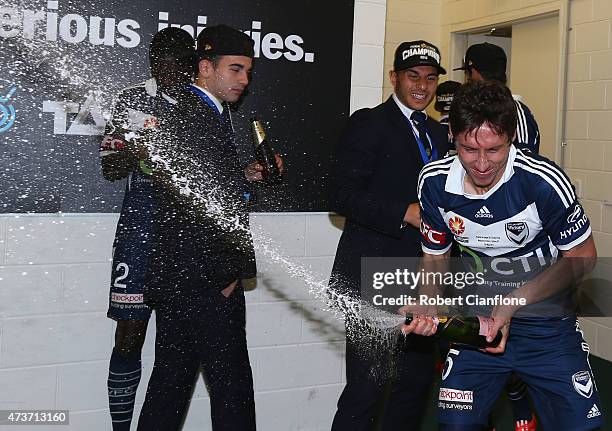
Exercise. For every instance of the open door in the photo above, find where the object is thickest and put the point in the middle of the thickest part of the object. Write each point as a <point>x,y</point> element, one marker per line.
<point>532,47</point>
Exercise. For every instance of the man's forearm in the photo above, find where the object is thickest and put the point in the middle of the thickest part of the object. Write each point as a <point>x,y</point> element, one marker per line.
<point>413,215</point>
<point>433,264</point>
<point>561,276</point>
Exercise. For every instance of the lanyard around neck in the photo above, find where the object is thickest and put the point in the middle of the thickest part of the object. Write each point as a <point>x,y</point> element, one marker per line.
<point>421,144</point>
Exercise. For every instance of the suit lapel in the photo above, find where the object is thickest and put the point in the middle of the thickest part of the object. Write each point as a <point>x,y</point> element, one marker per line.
<point>404,131</point>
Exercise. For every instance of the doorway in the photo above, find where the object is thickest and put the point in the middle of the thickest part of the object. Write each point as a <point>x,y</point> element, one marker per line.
<point>532,48</point>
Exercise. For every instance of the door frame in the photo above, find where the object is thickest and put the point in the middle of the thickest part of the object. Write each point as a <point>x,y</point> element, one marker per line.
<point>458,45</point>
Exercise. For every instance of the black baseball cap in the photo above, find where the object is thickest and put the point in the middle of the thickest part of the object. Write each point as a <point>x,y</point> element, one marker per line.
<point>223,40</point>
<point>444,95</point>
<point>485,57</point>
<point>417,53</point>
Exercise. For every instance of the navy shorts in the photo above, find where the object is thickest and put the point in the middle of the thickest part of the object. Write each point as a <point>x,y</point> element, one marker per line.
<point>550,356</point>
<point>131,255</point>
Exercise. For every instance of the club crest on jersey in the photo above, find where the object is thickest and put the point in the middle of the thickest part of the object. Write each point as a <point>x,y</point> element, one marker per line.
<point>583,383</point>
<point>456,225</point>
<point>517,231</point>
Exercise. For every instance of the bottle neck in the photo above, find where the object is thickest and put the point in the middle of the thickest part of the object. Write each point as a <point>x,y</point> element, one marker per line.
<point>258,133</point>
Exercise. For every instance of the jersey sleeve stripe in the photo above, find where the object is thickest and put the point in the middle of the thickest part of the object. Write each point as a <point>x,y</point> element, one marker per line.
<point>549,180</point>
<point>561,177</point>
<point>521,124</point>
<point>447,161</point>
<point>442,164</point>
<point>576,242</point>
<point>553,172</point>
<point>434,251</point>
<point>430,173</point>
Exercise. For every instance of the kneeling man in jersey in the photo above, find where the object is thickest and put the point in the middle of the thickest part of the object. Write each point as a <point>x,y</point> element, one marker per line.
<point>502,205</point>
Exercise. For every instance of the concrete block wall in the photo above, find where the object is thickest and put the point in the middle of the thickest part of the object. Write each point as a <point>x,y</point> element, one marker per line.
<point>368,53</point>
<point>55,339</point>
<point>588,155</point>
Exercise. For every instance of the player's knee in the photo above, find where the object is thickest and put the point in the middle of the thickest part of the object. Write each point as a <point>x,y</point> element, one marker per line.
<point>130,337</point>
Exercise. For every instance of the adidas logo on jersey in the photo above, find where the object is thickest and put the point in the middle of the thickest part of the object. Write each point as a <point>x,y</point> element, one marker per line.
<point>594,412</point>
<point>484,213</point>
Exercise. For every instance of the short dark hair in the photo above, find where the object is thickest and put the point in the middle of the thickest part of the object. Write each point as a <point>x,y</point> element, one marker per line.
<point>483,102</point>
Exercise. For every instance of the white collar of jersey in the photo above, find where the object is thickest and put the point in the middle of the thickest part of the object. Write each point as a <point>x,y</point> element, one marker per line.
<point>405,110</point>
<point>216,101</point>
<point>150,86</point>
<point>456,176</point>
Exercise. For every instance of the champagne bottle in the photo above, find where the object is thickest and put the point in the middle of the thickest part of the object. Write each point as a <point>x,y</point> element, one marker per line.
<point>263,151</point>
<point>137,140</point>
<point>465,330</point>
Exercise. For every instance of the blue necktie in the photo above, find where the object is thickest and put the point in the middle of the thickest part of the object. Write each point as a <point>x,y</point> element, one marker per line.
<point>418,119</point>
<point>226,120</point>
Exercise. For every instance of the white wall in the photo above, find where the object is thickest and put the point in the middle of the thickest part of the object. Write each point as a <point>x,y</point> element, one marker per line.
<point>55,339</point>
<point>588,156</point>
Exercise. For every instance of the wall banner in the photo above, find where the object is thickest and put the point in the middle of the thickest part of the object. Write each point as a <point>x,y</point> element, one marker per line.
<point>63,62</point>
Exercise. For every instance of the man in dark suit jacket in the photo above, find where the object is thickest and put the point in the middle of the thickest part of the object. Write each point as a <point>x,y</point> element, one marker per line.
<point>201,250</point>
<point>377,163</point>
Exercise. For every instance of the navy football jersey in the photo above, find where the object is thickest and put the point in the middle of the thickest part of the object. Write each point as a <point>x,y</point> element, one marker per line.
<point>517,228</point>
<point>134,116</point>
<point>527,130</point>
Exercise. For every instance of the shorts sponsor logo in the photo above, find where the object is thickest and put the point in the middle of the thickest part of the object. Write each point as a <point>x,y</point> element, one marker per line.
<point>454,399</point>
<point>455,395</point>
<point>517,231</point>
<point>456,225</point>
<point>583,383</point>
<point>594,412</point>
<point>432,236</point>
<point>127,298</point>
<point>454,406</point>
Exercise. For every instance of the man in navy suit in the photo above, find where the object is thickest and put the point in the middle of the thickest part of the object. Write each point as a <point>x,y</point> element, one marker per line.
<point>377,163</point>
